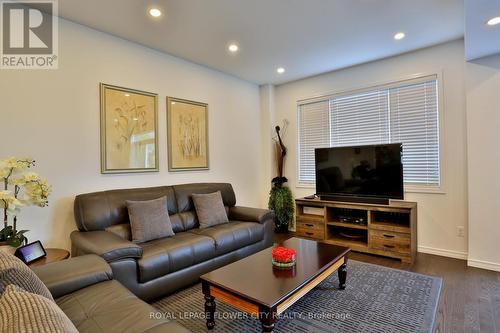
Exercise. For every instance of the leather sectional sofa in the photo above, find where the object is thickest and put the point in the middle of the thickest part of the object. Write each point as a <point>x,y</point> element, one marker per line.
<point>158,267</point>
<point>84,289</point>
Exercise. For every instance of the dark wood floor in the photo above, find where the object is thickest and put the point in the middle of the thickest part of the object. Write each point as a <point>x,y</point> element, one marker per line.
<point>470,297</point>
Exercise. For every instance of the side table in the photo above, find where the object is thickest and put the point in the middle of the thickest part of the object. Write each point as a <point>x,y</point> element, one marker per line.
<point>53,255</point>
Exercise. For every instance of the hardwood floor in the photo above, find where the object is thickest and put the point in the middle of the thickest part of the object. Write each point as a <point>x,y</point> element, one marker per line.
<point>470,297</point>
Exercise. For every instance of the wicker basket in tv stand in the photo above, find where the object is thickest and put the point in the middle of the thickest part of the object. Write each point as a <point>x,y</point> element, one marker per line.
<point>388,230</point>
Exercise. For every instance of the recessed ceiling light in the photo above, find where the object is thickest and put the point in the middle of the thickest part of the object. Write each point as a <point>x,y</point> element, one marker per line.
<point>127,95</point>
<point>155,12</point>
<point>233,47</point>
<point>494,21</point>
<point>399,36</point>
<point>280,70</point>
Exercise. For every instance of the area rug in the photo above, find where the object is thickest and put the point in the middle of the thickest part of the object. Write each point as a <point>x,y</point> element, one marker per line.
<point>376,299</point>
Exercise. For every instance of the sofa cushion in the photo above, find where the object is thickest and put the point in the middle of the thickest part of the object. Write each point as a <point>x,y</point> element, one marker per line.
<point>109,246</point>
<point>232,236</point>
<point>73,274</point>
<point>109,307</point>
<point>22,311</point>
<point>122,230</point>
<point>14,271</point>
<point>210,209</point>
<point>188,219</point>
<point>99,210</point>
<point>183,194</point>
<point>168,255</point>
<point>149,219</point>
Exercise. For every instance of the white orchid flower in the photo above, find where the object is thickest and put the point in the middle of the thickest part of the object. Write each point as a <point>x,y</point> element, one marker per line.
<point>16,164</point>
<point>29,177</point>
<point>10,202</point>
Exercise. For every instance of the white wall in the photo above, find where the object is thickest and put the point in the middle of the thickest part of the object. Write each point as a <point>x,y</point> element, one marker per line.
<point>439,215</point>
<point>483,134</point>
<point>53,116</point>
<point>267,105</point>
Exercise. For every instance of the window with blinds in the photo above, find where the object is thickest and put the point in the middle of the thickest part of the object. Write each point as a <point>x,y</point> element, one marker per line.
<point>406,112</point>
<point>314,132</point>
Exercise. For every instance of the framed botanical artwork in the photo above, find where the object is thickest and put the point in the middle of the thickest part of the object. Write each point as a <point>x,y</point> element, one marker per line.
<point>187,123</point>
<point>129,130</point>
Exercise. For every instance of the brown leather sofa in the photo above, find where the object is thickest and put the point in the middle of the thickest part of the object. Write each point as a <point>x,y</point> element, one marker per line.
<point>159,267</point>
<point>84,289</point>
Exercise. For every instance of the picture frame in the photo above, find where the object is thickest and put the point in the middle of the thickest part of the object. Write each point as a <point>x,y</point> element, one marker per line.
<point>187,132</point>
<point>129,130</point>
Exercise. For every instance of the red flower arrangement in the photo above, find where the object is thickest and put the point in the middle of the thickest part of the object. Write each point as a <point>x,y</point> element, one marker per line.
<point>284,257</point>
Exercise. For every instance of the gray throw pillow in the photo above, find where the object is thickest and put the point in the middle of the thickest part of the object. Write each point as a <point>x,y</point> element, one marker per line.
<point>210,209</point>
<point>26,312</point>
<point>14,271</point>
<point>149,220</point>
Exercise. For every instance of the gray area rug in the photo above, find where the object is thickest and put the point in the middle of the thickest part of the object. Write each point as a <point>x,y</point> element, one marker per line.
<point>377,299</point>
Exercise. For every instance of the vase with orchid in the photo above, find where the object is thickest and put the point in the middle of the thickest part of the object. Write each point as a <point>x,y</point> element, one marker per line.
<point>21,188</point>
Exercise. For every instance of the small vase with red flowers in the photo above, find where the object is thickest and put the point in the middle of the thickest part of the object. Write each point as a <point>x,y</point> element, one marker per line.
<point>284,257</point>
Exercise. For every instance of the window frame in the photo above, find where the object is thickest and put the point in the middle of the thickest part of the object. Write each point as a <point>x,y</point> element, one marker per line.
<point>415,78</point>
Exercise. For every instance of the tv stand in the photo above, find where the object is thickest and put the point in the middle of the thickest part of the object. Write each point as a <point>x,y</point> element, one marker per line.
<point>368,200</point>
<point>382,229</point>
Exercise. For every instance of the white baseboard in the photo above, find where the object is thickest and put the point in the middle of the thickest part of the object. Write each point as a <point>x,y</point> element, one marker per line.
<point>492,266</point>
<point>443,252</point>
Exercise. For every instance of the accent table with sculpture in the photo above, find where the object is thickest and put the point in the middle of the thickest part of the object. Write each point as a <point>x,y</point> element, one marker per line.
<point>238,284</point>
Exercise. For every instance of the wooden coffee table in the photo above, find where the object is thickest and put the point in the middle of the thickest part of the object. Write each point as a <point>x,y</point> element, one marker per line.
<point>254,286</point>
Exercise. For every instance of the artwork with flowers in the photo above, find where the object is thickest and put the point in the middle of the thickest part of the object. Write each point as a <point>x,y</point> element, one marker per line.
<point>187,135</point>
<point>21,188</point>
<point>129,140</point>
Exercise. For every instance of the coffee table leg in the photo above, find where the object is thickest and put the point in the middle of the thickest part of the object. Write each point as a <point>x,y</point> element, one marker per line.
<point>267,318</point>
<point>342,275</point>
<point>209,306</point>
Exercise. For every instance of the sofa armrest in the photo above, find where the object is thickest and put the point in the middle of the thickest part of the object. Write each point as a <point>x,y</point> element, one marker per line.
<point>109,246</point>
<point>248,214</point>
<point>67,276</point>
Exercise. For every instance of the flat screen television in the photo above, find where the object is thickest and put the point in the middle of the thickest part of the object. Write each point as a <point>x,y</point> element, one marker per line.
<point>362,173</point>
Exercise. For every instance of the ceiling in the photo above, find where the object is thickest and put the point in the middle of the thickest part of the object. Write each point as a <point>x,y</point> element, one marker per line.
<point>481,40</point>
<point>306,37</point>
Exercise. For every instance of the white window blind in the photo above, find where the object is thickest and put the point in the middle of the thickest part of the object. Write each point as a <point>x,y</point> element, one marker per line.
<point>359,119</point>
<point>398,113</point>
<point>314,132</point>
<point>414,122</point>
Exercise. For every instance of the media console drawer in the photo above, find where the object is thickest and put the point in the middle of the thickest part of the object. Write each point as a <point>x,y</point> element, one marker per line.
<point>390,241</point>
<point>310,225</point>
<point>318,234</point>
<point>310,228</point>
<point>394,236</point>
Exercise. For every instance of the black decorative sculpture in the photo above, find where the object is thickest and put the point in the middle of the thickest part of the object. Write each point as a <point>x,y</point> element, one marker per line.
<point>280,197</point>
<point>281,151</point>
